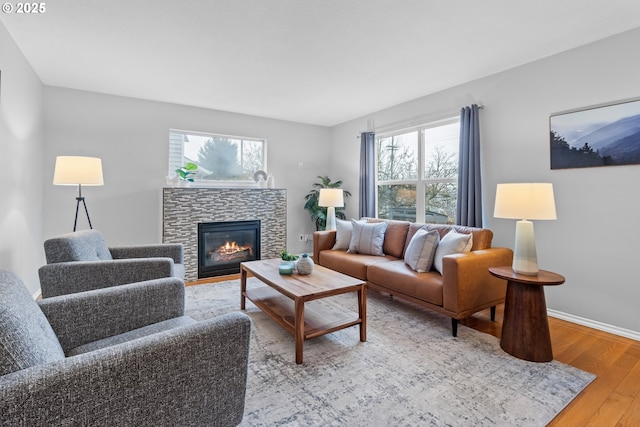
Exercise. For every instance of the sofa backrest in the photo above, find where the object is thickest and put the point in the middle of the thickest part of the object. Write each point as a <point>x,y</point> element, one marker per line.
<point>482,237</point>
<point>84,245</point>
<point>399,234</point>
<point>26,337</point>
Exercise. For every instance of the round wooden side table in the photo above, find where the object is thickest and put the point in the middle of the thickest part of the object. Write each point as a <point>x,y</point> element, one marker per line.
<point>525,327</point>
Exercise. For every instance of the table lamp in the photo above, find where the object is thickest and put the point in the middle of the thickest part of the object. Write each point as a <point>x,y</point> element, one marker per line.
<point>331,198</point>
<point>525,202</point>
<point>78,170</point>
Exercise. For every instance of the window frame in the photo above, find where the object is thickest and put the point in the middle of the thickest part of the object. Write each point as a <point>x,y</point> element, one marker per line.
<point>200,182</point>
<point>421,182</point>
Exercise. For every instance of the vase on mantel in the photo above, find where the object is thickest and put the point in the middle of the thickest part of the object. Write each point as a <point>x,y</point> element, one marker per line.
<point>305,264</point>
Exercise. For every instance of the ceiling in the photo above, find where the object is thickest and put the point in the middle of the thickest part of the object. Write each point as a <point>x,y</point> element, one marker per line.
<point>321,62</point>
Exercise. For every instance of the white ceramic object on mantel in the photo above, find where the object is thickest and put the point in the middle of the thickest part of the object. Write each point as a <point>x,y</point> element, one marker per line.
<point>305,264</point>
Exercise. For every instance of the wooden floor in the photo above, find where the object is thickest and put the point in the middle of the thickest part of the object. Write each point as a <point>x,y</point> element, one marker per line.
<point>612,399</point>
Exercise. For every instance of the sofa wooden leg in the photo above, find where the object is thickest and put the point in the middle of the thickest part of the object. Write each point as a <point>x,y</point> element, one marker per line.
<point>454,327</point>
<point>493,313</point>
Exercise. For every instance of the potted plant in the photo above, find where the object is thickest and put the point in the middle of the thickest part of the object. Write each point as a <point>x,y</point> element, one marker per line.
<point>318,213</point>
<point>187,173</point>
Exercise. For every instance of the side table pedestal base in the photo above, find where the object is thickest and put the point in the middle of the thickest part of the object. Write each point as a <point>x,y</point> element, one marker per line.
<point>525,327</point>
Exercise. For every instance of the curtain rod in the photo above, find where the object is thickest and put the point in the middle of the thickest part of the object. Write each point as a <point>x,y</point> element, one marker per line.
<point>411,122</point>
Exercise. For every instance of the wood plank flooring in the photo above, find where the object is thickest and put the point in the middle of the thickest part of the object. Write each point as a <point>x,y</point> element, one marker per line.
<point>612,399</point>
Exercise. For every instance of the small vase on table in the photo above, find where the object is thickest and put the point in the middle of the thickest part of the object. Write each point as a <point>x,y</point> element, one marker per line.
<point>305,264</point>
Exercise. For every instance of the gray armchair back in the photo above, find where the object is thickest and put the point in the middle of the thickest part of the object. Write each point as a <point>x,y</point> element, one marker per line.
<point>82,261</point>
<point>123,355</point>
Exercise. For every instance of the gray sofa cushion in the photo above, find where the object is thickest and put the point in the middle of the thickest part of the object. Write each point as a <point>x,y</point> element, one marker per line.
<point>26,338</point>
<point>84,245</point>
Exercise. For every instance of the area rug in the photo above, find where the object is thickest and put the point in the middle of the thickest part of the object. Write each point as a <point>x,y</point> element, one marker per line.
<point>410,372</point>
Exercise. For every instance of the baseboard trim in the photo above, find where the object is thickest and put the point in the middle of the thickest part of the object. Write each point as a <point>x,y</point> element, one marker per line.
<point>627,333</point>
<point>37,294</point>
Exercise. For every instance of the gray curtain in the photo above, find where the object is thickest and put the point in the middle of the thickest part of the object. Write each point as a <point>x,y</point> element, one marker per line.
<point>367,174</point>
<point>469,211</point>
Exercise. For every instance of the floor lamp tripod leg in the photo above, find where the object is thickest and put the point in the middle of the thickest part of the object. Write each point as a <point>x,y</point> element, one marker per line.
<point>87,212</point>
<point>75,222</point>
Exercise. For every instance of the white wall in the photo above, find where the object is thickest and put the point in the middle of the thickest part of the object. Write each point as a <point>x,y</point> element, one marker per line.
<point>132,136</point>
<point>594,241</point>
<point>21,146</point>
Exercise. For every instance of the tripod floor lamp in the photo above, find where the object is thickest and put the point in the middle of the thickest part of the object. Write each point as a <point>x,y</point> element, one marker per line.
<point>78,170</point>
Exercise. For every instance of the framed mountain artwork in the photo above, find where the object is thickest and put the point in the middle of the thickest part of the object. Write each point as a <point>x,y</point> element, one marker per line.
<point>600,136</point>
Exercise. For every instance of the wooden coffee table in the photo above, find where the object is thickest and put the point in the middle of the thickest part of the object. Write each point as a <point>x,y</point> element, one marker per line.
<point>286,300</point>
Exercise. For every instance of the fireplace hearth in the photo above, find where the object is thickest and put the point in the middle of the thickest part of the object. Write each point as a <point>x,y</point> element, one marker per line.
<point>222,246</point>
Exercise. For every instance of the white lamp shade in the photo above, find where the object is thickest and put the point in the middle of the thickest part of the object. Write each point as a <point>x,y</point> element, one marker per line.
<point>74,170</point>
<point>331,197</point>
<point>525,201</point>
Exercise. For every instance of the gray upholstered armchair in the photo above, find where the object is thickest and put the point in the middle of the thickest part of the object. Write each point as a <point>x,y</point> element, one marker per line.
<point>81,261</point>
<point>124,355</point>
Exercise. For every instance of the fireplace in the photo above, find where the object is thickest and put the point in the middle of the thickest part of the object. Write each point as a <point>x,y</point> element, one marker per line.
<point>222,246</point>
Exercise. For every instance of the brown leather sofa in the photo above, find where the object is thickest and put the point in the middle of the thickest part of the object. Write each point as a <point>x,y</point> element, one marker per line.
<point>464,288</point>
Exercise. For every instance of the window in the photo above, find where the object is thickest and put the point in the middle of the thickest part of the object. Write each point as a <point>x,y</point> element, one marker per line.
<point>221,159</point>
<point>419,167</point>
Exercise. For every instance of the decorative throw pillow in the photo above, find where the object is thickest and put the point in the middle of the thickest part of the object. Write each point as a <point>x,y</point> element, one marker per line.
<point>367,238</point>
<point>343,234</point>
<point>421,250</point>
<point>452,243</point>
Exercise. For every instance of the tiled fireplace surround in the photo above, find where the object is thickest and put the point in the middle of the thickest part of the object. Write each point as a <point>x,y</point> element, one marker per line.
<point>184,208</point>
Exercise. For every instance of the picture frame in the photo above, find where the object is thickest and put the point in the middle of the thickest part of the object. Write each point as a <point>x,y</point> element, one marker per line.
<point>605,135</point>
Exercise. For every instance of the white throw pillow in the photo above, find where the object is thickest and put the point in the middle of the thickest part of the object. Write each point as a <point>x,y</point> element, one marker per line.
<point>367,238</point>
<point>421,250</point>
<point>343,234</point>
<point>452,243</point>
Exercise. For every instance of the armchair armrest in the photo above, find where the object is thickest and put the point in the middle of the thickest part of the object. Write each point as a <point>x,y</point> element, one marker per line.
<point>467,284</point>
<point>194,375</point>
<point>78,276</point>
<point>161,250</point>
<point>322,240</point>
<point>84,317</point>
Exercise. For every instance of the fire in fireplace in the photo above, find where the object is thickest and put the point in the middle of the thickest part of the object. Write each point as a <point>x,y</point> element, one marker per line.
<point>222,246</point>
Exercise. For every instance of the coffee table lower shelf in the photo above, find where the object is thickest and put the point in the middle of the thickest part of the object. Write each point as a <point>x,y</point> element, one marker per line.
<point>320,317</point>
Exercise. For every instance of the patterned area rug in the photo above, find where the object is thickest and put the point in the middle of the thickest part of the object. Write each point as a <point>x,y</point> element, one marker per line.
<point>410,372</point>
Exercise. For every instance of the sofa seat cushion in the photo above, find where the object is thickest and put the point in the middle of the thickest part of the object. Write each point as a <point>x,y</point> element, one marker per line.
<point>154,328</point>
<point>397,276</point>
<point>354,265</point>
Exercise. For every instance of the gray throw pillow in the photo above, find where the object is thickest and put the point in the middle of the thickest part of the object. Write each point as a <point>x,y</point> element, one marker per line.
<point>343,234</point>
<point>452,243</point>
<point>367,238</point>
<point>421,250</point>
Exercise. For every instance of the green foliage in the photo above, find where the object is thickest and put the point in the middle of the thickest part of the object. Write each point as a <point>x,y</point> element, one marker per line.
<point>187,172</point>
<point>318,213</point>
<point>286,256</point>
